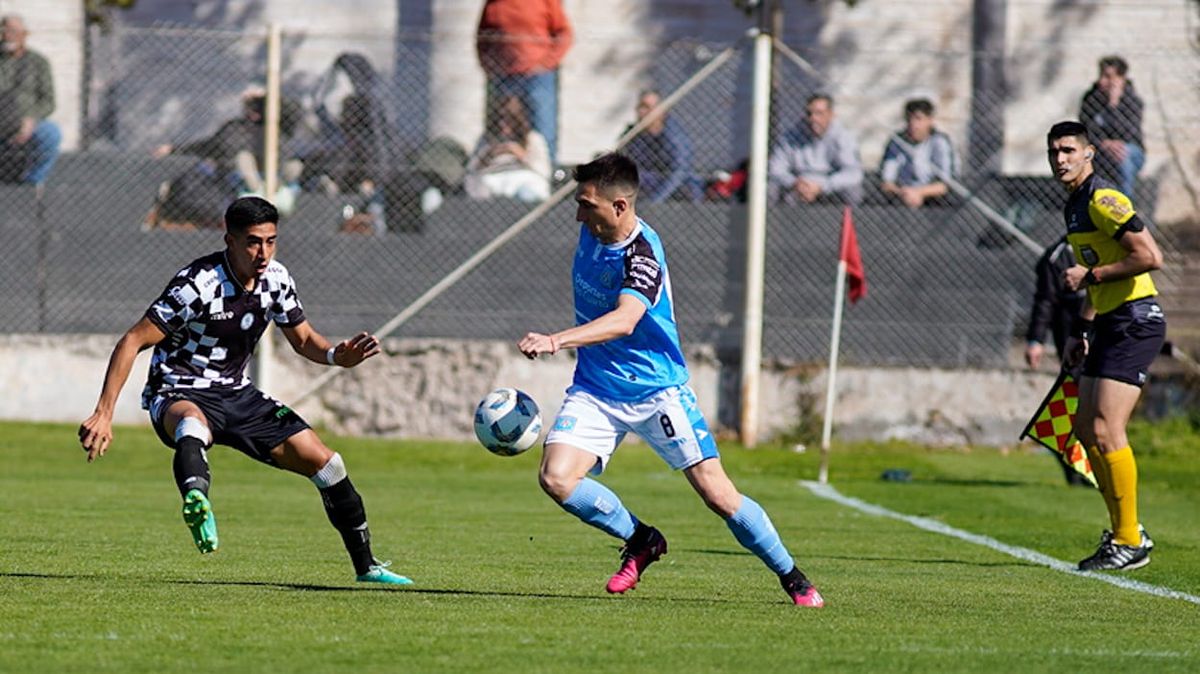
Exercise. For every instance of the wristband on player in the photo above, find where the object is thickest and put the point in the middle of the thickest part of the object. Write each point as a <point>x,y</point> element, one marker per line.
<point>1090,278</point>
<point>1082,329</point>
<point>330,354</point>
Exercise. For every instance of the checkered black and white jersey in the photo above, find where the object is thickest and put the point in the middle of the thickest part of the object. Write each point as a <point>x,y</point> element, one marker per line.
<point>213,323</point>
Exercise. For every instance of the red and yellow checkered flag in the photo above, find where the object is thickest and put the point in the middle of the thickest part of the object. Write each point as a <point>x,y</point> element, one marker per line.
<point>1053,425</point>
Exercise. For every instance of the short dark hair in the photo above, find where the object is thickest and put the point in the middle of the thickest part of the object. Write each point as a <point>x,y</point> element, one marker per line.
<point>1067,129</point>
<point>1116,63</point>
<point>245,212</point>
<point>609,170</point>
<point>921,105</point>
<point>819,96</point>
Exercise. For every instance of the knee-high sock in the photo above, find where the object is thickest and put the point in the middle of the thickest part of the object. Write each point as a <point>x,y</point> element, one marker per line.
<point>1103,482</point>
<point>346,513</point>
<point>753,529</point>
<point>191,463</point>
<point>1122,470</point>
<point>598,506</point>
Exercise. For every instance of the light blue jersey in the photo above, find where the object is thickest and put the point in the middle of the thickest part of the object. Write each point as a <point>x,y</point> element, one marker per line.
<point>649,360</point>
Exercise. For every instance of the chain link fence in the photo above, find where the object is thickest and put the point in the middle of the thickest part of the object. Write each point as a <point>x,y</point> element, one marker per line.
<point>377,208</point>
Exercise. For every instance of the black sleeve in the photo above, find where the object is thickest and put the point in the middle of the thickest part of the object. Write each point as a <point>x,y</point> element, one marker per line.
<point>1045,298</point>
<point>643,273</point>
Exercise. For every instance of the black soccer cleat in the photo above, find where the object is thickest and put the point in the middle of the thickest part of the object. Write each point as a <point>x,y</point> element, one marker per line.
<point>1112,556</point>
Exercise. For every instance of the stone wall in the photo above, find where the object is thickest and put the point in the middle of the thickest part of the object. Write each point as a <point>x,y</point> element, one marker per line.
<point>429,388</point>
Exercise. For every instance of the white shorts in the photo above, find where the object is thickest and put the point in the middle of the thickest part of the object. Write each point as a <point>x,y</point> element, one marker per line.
<point>669,421</point>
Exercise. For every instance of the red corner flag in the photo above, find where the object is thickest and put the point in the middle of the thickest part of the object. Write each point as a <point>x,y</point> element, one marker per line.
<point>853,259</point>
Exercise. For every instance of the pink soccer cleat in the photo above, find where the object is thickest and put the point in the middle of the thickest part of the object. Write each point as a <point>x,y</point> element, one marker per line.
<point>641,550</point>
<point>802,592</point>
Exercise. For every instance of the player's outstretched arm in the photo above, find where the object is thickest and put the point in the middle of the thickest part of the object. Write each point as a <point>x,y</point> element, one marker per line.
<point>312,345</point>
<point>615,324</point>
<point>95,433</point>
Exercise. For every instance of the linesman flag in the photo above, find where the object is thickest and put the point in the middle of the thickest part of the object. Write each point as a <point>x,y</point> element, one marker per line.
<point>1053,425</point>
<point>849,254</point>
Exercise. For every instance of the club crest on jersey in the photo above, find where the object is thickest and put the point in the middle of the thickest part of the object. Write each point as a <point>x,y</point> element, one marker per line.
<point>247,321</point>
<point>608,278</point>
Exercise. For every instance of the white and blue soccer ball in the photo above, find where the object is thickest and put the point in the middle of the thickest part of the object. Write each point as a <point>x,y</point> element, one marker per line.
<point>507,422</point>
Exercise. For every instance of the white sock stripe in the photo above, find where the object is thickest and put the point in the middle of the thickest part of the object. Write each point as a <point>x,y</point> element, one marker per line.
<point>333,472</point>
<point>829,493</point>
<point>191,427</point>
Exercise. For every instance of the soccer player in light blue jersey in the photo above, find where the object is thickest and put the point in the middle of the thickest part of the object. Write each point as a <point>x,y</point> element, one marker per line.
<point>631,377</point>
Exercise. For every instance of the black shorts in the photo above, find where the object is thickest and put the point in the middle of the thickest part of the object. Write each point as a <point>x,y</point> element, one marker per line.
<point>246,419</point>
<point>1125,342</point>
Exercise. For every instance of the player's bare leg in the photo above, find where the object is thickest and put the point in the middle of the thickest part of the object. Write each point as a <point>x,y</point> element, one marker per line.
<point>184,421</point>
<point>751,527</point>
<point>1105,413</point>
<point>304,453</point>
<point>563,476</point>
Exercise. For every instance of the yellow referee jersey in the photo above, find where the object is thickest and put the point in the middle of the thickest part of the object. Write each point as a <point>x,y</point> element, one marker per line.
<point>1097,215</point>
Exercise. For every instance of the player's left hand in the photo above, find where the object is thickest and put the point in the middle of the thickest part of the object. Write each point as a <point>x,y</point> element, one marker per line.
<point>534,344</point>
<point>356,349</point>
<point>1073,277</point>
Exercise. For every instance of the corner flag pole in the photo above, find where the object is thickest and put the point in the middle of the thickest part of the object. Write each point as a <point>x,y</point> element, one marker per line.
<point>839,302</point>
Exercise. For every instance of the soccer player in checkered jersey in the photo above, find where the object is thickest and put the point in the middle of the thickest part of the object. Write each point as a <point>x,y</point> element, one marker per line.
<point>203,329</point>
<point>630,376</point>
<point>1120,331</point>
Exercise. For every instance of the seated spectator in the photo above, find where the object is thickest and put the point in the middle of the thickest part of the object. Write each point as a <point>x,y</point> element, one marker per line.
<point>1112,112</point>
<point>818,160</point>
<point>30,140</point>
<point>229,166</point>
<point>918,158</point>
<point>511,159</point>
<point>663,153</point>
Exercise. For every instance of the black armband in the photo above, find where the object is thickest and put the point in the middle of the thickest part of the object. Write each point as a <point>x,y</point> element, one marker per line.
<point>1089,279</point>
<point>1082,329</point>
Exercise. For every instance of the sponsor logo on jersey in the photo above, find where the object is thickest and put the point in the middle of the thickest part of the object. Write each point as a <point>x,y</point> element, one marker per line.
<point>222,315</point>
<point>1117,208</point>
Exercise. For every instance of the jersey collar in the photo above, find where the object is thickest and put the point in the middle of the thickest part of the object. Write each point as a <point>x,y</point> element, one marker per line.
<point>637,229</point>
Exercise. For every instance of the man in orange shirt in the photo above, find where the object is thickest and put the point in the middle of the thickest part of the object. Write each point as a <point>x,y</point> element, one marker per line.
<point>520,45</point>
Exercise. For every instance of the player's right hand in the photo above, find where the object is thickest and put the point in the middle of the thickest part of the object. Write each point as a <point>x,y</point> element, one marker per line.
<point>95,435</point>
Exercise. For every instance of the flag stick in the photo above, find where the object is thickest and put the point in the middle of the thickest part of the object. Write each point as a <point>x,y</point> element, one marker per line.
<point>839,300</point>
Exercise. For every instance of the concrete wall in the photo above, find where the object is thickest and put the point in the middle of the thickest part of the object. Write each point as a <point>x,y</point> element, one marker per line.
<point>429,388</point>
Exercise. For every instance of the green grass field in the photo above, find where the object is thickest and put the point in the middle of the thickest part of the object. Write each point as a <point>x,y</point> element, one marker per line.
<point>98,572</point>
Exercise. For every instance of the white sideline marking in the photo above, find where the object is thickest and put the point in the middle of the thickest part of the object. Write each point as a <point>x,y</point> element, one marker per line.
<point>827,492</point>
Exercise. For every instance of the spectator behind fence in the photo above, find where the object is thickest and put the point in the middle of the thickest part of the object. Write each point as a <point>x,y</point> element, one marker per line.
<point>663,153</point>
<point>916,158</point>
<point>511,159</point>
<point>229,166</point>
<point>1055,309</point>
<point>818,160</point>
<point>30,140</point>
<point>1112,112</point>
<point>520,45</point>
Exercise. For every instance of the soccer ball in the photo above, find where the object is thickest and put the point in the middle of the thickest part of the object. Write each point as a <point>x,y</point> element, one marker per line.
<point>507,422</point>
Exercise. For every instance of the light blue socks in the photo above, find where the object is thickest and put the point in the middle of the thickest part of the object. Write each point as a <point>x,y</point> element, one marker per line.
<point>753,529</point>
<point>597,505</point>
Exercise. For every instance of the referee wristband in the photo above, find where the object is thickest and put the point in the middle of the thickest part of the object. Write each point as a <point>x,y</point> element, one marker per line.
<point>1090,278</point>
<point>329,355</point>
<point>1082,329</point>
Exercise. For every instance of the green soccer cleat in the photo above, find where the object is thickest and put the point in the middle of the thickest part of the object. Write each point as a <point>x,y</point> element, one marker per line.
<point>378,573</point>
<point>199,517</point>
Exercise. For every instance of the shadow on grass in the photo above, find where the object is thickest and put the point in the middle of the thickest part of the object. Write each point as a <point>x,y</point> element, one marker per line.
<point>908,560</point>
<point>309,587</point>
